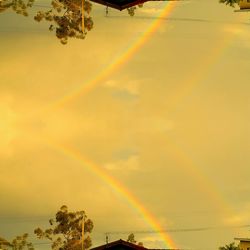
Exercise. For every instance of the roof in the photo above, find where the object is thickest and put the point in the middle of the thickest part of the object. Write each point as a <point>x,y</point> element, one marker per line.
<point>124,4</point>
<point>243,239</point>
<point>119,4</point>
<point>118,244</point>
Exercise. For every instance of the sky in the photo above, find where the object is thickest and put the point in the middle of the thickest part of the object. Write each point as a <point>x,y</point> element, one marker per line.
<point>163,131</point>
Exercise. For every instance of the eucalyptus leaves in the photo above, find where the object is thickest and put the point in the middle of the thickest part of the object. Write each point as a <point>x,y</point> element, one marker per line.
<point>64,16</point>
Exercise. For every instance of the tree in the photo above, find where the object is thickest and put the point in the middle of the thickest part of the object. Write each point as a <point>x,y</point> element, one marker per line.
<point>65,232</point>
<point>131,239</point>
<point>131,10</point>
<point>230,246</point>
<point>229,2</point>
<point>19,6</point>
<point>65,16</point>
<point>4,244</point>
<point>19,243</point>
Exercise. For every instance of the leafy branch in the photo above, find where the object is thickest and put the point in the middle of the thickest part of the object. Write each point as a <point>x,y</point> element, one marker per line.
<point>66,230</point>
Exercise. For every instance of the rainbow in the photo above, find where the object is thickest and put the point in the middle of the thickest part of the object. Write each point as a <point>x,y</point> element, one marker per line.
<point>116,186</point>
<point>188,86</point>
<point>200,71</point>
<point>197,175</point>
<point>119,60</point>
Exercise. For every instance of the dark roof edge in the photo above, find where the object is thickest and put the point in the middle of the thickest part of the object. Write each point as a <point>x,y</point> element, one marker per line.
<point>117,243</point>
<point>117,6</point>
<point>243,239</point>
<point>125,6</point>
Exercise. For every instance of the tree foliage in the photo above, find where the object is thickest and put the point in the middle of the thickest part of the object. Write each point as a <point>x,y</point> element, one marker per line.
<point>4,243</point>
<point>230,246</point>
<point>18,243</point>
<point>22,243</point>
<point>65,232</point>
<point>131,239</point>
<point>229,2</point>
<point>19,6</point>
<point>65,17</point>
<point>131,10</point>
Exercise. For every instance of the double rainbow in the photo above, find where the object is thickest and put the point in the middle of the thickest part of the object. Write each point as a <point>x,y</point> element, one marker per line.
<point>114,184</point>
<point>117,62</point>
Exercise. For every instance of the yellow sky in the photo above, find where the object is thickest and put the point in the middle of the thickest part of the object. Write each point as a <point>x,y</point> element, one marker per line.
<point>171,124</point>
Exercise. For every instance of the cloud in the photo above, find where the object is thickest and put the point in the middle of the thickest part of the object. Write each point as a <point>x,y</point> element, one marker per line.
<point>129,164</point>
<point>240,217</point>
<point>153,240</point>
<point>130,86</point>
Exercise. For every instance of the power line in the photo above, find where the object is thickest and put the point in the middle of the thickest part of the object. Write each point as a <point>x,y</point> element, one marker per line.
<point>177,230</point>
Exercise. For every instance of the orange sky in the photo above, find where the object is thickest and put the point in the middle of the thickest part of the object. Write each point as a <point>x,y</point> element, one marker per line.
<point>171,124</point>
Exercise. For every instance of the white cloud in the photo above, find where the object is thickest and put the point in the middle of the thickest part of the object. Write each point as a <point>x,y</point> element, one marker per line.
<point>129,164</point>
<point>131,86</point>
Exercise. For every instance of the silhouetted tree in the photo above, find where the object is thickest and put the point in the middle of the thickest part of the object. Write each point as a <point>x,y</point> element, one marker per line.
<point>19,243</point>
<point>230,2</point>
<point>4,244</point>
<point>19,6</point>
<point>131,10</point>
<point>65,232</point>
<point>65,17</point>
<point>230,246</point>
<point>22,243</point>
<point>131,239</point>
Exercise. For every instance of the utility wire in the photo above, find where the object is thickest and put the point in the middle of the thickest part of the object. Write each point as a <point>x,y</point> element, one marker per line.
<point>177,230</point>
